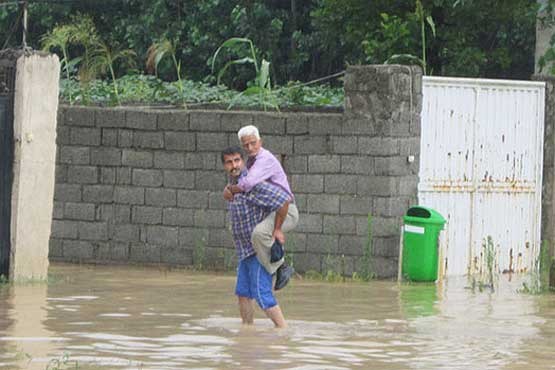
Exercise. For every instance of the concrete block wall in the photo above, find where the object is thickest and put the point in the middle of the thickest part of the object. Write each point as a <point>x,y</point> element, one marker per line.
<point>145,186</point>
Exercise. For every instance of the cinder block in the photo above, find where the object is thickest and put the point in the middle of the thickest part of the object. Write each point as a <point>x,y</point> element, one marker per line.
<point>362,165</point>
<point>177,256</point>
<point>178,217</point>
<point>355,205</point>
<point>64,229</point>
<point>209,142</point>
<point>392,166</point>
<point>105,212</point>
<point>209,218</point>
<point>161,197</point>
<point>233,121</point>
<point>359,125</point>
<point>408,186</point>
<point>76,250</point>
<point>386,247</point>
<point>325,124</point>
<point>102,251</point>
<point>322,244</point>
<point>106,156</point>
<point>172,160</point>
<point>129,195</point>
<point>110,118</point>
<point>145,253</point>
<point>74,155</point>
<point>192,198</point>
<point>307,183</point>
<point>278,144</point>
<point>63,135</point>
<point>210,180</point>
<point>190,237</point>
<point>297,124</point>
<point>173,120</point>
<point>150,140</point>
<point>60,173</point>
<point>344,144</point>
<point>122,214</point>
<point>295,242</point>
<point>352,245</point>
<point>340,184</point>
<point>141,120</point>
<point>379,147</point>
<point>203,161</point>
<point>310,145</point>
<point>324,163</point>
<point>162,235</point>
<point>378,186</point>
<point>391,206</point>
<point>126,233</point>
<point>270,123</point>
<point>79,116</point>
<point>123,175</point>
<point>309,223</point>
<point>296,164</point>
<point>409,146</point>
<point>58,210</point>
<point>125,138</point>
<point>98,193</point>
<point>386,226</point>
<point>216,200</point>
<point>179,179</point>
<point>339,224</point>
<point>109,137</point>
<point>93,231</point>
<point>67,192</point>
<point>136,158</point>
<point>120,251</point>
<point>108,175</point>
<point>146,215</point>
<point>55,248</point>
<point>205,121</point>
<point>384,267</point>
<point>152,178</point>
<point>323,203</point>
<point>85,136</point>
<point>304,262</point>
<point>79,211</point>
<point>82,175</point>
<point>185,141</point>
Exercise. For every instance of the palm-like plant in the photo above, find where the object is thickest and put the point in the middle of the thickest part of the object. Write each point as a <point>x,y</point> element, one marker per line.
<point>60,38</point>
<point>262,82</point>
<point>103,60</point>
<point>156,52</point>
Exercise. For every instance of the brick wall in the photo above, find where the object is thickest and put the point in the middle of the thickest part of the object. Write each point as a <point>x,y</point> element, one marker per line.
<point>145,186</point>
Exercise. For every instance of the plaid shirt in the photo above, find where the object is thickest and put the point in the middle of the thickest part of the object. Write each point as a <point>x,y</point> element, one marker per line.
<point>247,210</point>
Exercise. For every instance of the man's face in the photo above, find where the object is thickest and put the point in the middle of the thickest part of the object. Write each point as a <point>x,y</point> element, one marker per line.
<point>233,164</point>
<point>251,144</point>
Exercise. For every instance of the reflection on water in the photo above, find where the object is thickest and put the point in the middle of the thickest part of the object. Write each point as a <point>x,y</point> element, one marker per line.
<point>133,318</point>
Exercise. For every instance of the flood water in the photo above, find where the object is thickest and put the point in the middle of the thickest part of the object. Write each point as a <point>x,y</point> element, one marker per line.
<point>143,318</point>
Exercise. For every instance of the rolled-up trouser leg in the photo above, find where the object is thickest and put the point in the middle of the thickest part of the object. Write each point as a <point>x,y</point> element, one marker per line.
<point>262,237</point>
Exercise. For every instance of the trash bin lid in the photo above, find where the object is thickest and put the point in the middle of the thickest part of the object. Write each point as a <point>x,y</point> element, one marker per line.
<point>424,215</point>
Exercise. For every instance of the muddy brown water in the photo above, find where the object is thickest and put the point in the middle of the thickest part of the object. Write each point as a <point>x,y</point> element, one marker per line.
<point>144,318</point>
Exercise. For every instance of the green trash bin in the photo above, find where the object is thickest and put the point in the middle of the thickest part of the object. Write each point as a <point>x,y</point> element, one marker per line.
<point>420,243</point>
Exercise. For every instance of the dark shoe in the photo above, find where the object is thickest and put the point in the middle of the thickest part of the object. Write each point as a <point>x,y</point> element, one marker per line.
<point>276,252</point>
<point>283,274</point>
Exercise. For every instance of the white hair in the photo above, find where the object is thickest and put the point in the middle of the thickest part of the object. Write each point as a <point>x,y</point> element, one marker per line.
<point>249,130</point>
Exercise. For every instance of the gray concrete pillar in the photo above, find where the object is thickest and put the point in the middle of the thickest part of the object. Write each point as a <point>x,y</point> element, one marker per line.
<point>385,101</point>
<point>35,113</point>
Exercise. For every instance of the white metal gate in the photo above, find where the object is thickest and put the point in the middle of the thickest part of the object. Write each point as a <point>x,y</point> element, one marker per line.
<point>481,167</point>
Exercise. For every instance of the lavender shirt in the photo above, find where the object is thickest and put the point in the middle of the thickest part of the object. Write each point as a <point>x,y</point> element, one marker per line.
<point>265,168</point>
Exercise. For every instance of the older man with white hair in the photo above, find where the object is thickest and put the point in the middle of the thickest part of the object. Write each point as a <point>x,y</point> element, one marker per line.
<point>262,166</point>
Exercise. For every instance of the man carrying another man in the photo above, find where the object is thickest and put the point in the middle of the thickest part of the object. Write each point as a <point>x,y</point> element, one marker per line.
<point>264,167</point>
<point>247,210</point>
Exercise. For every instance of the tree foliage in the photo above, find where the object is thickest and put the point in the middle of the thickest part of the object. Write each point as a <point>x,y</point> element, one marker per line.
<point>302,39</point>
